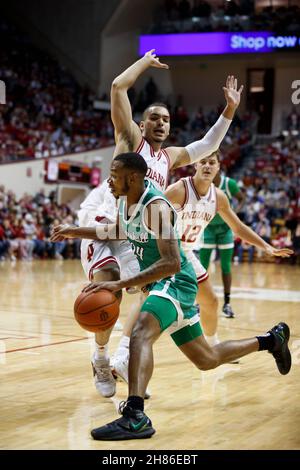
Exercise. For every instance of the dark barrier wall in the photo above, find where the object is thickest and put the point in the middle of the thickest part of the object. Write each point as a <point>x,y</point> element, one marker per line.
<point>70,28</point>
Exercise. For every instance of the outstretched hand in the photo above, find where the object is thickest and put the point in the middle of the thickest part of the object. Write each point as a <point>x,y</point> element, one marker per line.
<point>154,60</point>
<point>61,232</point>
<point>232,94</point>
<point>281,252</point>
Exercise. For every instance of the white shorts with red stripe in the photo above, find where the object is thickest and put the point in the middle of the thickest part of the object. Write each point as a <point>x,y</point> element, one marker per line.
<point>97,254</point>
<point>200,271</point>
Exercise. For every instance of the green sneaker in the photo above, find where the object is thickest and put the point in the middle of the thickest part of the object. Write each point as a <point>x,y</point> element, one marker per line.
<point>280,350</point>
<point>134,424</point>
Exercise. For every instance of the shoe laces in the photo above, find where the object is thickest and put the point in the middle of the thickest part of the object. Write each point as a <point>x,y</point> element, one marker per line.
<point>103,372</point>
<point>122,406</point>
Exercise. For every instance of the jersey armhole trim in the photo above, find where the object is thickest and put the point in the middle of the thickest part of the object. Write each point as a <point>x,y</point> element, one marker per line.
<point>186,197</point>
<point>217,205</point>
<point>141,145</point>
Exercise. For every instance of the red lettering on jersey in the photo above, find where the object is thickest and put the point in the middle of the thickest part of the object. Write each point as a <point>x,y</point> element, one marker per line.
<point>153,175</point>
<point>196,215</point>
<point>191,233</point>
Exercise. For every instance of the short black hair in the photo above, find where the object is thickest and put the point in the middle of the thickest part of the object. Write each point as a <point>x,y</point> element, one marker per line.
<point>133,161</point>
<point>156,104</point>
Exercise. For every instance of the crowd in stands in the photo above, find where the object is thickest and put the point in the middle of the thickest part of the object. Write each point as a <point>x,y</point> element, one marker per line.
<point>54,116</point>
<point>25,227</point>
<point>272,186</point>
<point>182,16</point>
<point>271,183</point>
<point>47,113</point>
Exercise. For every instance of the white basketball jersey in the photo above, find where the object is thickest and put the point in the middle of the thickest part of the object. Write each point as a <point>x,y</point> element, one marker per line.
<point>158,165</point>
<point>195,214</point>
<point>101,206</point>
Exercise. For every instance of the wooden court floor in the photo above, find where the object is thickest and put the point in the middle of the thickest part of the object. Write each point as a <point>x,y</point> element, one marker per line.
<point>48,399</point>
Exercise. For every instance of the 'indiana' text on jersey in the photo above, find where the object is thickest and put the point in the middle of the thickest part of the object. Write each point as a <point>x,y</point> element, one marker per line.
<point>199,215</point>
<point>154,176</point>
<point>158,164</point>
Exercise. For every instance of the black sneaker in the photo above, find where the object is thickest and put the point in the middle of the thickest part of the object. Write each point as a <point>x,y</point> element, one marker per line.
<point>134,424</point>
<point>227,311</point>
<point>280,350</point>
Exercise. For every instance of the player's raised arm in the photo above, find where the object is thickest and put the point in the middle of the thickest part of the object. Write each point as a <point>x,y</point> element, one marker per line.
<point>181,156</point>
<point>121,113</point>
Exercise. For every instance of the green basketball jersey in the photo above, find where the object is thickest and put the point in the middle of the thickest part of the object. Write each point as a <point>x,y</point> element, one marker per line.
<point>144,243</point>
<point>230,187</point>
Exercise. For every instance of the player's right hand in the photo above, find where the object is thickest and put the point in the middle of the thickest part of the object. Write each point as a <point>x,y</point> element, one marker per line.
<point>113,286</point>
<point>281,252</point>
<point>61,232</point>
<point>154,60</point>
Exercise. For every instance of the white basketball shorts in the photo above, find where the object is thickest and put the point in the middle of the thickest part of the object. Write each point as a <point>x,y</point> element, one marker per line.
<point>97,254</point>
<point>200,271</point>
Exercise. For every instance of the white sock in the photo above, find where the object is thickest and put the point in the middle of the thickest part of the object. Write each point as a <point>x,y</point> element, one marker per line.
<point>123,347</point>
<point>212,340</point>
<point>101,351</point>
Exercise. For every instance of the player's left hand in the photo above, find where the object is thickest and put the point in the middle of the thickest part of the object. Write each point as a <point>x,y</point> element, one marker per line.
<point>232,94</point>
<point>281,252</point>
<point>113,286</point>
<point>154,61</point>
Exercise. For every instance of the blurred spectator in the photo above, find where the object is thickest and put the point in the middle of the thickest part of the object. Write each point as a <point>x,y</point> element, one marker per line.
<point>25,227</point>
<point>296,244</point>
<point>241,248</point>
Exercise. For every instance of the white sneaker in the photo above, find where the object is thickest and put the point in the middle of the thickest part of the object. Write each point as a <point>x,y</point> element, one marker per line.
<point>119,368</point>
<point>104,380</point>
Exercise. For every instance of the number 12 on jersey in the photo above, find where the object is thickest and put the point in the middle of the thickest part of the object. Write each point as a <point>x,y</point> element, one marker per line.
<point>191,233</point>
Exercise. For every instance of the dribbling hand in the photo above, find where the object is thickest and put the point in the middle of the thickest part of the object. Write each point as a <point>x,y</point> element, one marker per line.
<point>113,286</point>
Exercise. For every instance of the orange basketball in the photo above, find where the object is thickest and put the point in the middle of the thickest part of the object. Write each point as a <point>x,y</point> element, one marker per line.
<point>97,311</point>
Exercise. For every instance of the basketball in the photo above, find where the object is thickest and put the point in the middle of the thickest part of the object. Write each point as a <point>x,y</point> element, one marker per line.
<point>96,311</point>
